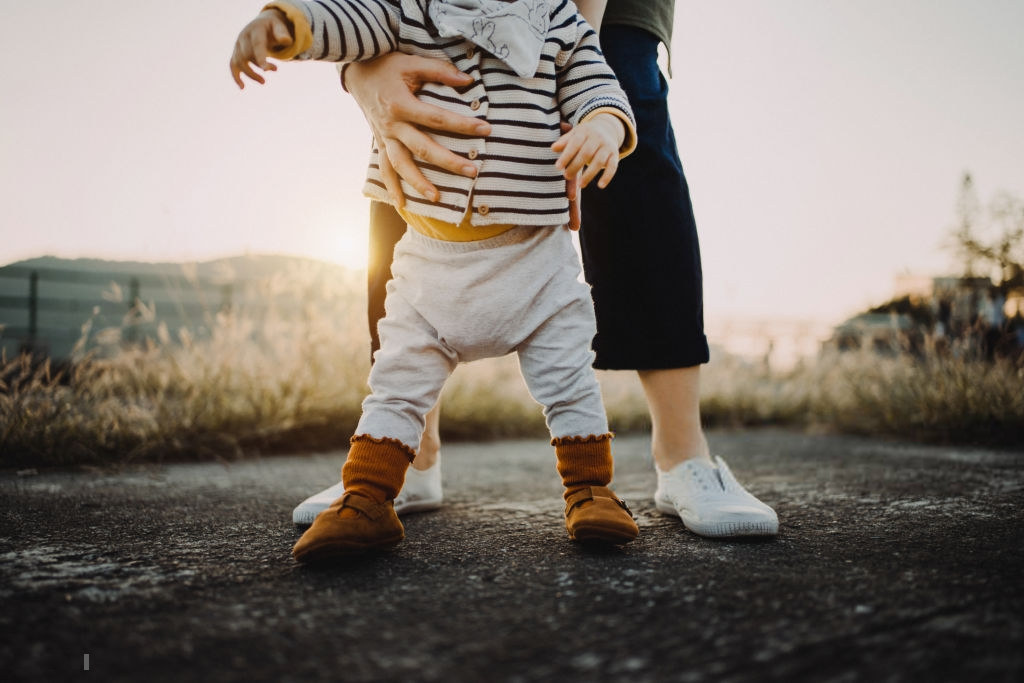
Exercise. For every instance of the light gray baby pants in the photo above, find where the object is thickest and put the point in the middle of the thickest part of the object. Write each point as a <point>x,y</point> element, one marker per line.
<point>452,302</point>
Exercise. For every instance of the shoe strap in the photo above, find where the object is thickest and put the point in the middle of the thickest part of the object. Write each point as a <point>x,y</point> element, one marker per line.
<point>364,505</point>
<point>589,493</point>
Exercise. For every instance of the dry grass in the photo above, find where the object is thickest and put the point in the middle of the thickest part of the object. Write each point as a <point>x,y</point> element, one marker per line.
<point>292,378</point>
<point>937,397</point>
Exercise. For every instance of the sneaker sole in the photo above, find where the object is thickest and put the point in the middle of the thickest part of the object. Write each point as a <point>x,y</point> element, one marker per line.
<point>417,506</point>
<point>721,529</point>
<point>304,516</point>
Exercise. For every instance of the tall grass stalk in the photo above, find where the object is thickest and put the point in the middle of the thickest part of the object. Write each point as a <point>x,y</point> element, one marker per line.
<point>292,378</point>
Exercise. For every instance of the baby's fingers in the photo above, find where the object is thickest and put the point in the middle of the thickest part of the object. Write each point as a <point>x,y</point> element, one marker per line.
<point>609,163</point>
<point>586,161</point>
<point>609,171</point>
<point>242,59</point>
<point>260,36</point>
<point>569,161</point>
<point>606,177</point>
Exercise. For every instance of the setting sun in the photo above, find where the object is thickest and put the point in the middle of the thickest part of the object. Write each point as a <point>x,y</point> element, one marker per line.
<point>337,232</point>
<point>350,247</point>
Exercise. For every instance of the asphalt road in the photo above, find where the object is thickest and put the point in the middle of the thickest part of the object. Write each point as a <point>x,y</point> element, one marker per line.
<point>894,562</point>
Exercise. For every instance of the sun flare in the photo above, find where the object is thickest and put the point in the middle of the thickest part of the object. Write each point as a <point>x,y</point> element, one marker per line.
<point>339,233</point>
<point>350,247</point>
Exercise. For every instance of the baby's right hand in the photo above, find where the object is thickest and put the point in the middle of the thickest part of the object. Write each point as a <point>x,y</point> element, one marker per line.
<point>266,33</point>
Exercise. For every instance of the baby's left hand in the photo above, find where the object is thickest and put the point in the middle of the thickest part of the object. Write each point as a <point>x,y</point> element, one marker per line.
<point>591,147</point>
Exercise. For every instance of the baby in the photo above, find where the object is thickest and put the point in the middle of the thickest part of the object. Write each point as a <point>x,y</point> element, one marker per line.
<point>488,267</point>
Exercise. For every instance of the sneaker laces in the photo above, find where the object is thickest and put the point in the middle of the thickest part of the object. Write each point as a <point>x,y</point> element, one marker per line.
<point>729,483</point>
<point>710,480</point>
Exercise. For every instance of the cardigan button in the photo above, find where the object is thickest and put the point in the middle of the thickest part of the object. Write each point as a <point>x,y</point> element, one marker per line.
<point>483,209</point>
<point>474,105</point>
<point>470,52</point>
<point>473,154</point>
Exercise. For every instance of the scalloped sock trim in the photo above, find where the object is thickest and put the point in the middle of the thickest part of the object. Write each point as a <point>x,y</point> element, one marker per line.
<point>592,438</point>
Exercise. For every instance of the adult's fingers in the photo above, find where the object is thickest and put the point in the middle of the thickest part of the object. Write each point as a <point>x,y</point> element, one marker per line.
<point>426,149</point>
<point>405,166</point>
<point>429,70</point>
<point>391,179</point>
<point>573,192</point>
<point>429,116</point>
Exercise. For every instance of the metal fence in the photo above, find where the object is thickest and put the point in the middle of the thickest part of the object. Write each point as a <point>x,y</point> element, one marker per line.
<point>48,311</point>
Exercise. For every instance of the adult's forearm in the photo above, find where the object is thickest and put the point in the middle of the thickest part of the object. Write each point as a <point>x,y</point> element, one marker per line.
<point>592,11</point>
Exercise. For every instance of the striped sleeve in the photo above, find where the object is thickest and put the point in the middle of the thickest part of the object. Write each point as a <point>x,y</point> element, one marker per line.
<point>586,83</point>
<point>341,30</point>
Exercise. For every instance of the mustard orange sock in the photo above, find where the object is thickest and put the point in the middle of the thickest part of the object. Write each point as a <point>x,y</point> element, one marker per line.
<point>584,461</point>
<point>375,468</point>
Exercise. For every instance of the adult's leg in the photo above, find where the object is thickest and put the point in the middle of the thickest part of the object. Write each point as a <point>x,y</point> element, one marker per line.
<point>386,228</point>
<point>673,399</point>
<point>642,257</point>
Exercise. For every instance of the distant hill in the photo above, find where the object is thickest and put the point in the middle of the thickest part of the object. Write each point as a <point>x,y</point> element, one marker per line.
<point>247,267</point>
<point>70,292</point>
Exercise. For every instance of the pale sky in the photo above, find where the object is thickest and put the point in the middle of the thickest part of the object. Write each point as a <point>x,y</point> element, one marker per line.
<point>824,140</point>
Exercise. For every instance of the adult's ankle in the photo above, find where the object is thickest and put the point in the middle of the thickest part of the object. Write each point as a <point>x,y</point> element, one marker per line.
<point>429,450</point>
<point>670,455</point>
<point>426,458</point>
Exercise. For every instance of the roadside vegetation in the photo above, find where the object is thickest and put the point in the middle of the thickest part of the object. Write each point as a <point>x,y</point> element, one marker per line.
<point>287,387</point>
<point>289,375</point>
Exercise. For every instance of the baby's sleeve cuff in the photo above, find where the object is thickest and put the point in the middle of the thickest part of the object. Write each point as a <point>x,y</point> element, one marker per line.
<point>628,142</point>
<point>302,32</point>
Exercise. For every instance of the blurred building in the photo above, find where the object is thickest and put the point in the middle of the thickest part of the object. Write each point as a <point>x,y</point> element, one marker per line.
<point>880,332</point>
<point>971,312</point>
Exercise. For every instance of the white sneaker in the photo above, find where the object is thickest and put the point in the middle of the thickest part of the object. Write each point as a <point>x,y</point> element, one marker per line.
<point>420,493</point>
<point>711,502</point>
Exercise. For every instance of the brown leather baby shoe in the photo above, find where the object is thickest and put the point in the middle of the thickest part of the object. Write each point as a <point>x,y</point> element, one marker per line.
<point>351,525</point>
<point>595,514</point>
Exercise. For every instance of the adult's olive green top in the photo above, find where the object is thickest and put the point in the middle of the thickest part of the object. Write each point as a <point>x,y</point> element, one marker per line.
<point>652,15</point>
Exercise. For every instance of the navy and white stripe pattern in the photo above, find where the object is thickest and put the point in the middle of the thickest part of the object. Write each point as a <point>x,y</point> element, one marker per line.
<point>517,181</point>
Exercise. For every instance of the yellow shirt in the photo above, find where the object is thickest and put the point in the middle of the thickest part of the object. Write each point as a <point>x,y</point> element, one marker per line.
<point>442,230</point>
